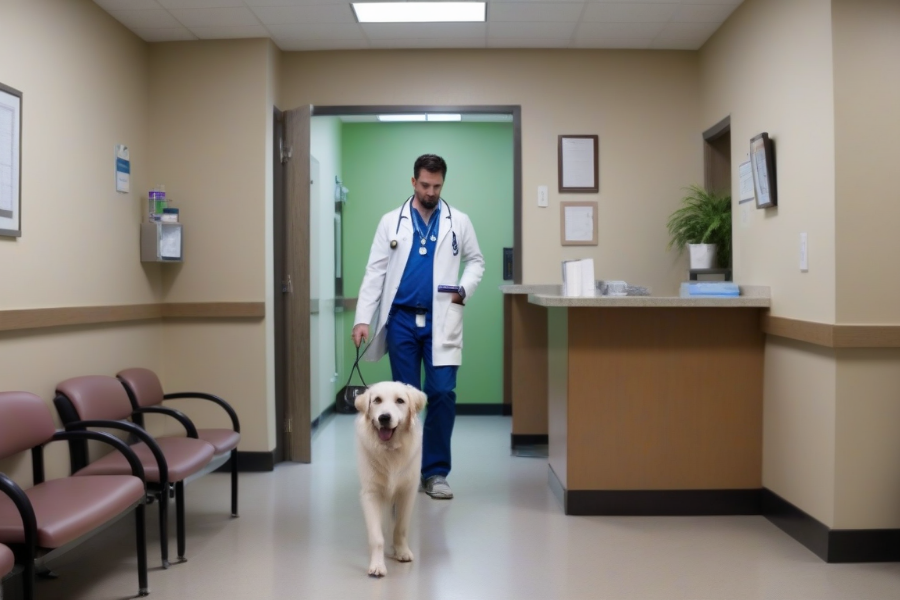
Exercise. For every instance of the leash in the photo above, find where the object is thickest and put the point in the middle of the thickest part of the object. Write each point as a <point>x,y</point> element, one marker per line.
<point>356,366</point>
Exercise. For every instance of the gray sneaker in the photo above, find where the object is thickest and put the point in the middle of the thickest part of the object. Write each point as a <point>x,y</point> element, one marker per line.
<point>436,487</point>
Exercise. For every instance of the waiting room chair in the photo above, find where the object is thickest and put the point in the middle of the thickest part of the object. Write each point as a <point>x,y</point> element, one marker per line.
<point>101,401</point>
<point>53,516</point>
<point>146,394</point>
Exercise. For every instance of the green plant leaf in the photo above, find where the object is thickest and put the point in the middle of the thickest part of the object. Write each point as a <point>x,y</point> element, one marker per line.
<point>703,218</point>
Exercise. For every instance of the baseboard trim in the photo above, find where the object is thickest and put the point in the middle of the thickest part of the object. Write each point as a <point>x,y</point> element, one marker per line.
<point>318,421</point>
<point>483,410</point>
<point>831,545</point>
<point>526,439</point>
<point>251,462</point>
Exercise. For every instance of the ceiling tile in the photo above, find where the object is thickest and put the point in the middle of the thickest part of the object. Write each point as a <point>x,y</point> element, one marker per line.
<point>424,31</point>
<point>534,11</point>
<point>703,13</point>
<point>528,42</point>
<point>676,44</point>
<point>531,30</point>
<point>187,4</point>
<point>314,31</point>
<point>621,30</point>
<point>215,17</point>
<point>229,33</point>
<point>628,13</point>
<point>620,44</point>
<point>688,30</point>
<point>164,34</point>
<point>109,5</point>
<point>322,13</point>
<point>407,43</point>
<point>298,45</point>
<point>147,19</point>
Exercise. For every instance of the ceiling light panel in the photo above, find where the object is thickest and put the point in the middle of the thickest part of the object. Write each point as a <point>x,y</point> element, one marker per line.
<point>419,12</point>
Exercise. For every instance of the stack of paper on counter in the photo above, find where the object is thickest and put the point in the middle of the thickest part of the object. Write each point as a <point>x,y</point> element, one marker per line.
<point>578,277</point>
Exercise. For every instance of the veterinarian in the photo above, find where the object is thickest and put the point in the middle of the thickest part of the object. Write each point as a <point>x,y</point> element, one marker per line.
<point>412,295</point>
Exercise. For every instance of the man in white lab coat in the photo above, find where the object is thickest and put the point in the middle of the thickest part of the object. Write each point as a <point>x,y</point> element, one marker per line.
<point>413,286</point>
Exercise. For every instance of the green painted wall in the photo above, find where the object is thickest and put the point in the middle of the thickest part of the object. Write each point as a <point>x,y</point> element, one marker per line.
<point>377,162</point>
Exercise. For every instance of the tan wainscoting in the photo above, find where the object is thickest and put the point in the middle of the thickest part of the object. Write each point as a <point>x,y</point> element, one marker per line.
<point>832,335</point>
<point>43,318</point>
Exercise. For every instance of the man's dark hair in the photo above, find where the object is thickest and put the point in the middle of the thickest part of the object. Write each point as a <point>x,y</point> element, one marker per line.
<point>431,163</point>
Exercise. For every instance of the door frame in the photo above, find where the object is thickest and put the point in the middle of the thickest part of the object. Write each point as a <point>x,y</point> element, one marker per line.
<point>475,109</point>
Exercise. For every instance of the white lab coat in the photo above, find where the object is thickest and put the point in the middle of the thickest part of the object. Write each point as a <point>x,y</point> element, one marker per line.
<point>386,266</point>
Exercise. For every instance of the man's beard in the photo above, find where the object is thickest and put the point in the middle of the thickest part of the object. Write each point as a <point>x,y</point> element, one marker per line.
<point>429,204</point>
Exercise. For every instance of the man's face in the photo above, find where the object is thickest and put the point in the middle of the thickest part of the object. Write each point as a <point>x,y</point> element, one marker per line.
<point>427,188</point>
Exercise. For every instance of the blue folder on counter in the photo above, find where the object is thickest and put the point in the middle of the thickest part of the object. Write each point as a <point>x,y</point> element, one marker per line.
<point>709,289</point>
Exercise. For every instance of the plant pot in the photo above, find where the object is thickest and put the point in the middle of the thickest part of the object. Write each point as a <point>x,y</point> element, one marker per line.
<point>703,256</point>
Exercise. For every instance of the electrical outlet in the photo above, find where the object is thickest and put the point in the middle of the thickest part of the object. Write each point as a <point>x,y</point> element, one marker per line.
<point>804,253</point>
<point>542,196</point>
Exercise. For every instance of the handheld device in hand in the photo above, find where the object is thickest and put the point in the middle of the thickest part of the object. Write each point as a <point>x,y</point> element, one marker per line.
<point>449,288</point>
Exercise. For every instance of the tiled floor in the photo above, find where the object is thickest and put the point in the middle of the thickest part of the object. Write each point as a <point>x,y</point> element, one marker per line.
<point>301,536</point>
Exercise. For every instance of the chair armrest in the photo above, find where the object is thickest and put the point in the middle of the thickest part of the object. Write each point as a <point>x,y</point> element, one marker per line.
<point>235,423</point>
<point>138,433</point>
<point>175,414</point>
<point>26,511</point>
<point>137,468</point>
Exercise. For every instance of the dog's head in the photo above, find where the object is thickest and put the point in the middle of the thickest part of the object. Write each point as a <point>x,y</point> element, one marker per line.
<point>390,404</point>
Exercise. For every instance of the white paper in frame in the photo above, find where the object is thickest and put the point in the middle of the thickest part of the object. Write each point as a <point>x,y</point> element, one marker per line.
<point>10,161</point>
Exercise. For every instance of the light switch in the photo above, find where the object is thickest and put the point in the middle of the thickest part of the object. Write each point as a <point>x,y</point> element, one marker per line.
<point>804,253</point>
<point>542,196</point>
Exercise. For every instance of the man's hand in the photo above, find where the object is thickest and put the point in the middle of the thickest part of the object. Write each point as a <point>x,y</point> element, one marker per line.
<point>457,299</point>
<point>360,333</point>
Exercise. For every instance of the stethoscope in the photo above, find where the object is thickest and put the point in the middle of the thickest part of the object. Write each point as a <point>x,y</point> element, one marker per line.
<point>449,216</point>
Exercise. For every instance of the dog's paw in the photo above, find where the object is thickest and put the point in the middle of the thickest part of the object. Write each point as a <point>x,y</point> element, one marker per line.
<point>377,569</point>
<point>403,554</point>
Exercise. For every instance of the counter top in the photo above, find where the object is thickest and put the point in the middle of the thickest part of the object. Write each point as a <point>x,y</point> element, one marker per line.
<point>752,296</point>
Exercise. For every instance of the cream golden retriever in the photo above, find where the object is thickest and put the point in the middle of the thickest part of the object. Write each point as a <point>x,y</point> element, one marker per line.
<point>389,457</point>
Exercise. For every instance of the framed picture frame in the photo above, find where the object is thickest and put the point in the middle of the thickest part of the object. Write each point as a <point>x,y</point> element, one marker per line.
<point>578,158</point>
<point>578,223</point>
<point>10,161</point>
<point>762,162</point>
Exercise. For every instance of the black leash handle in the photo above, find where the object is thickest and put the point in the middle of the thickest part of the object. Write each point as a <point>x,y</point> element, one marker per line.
<point>356,367</point>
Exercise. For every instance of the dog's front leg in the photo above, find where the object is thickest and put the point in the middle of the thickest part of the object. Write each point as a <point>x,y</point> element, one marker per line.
<point>371,506</point>
<point>405,499</point>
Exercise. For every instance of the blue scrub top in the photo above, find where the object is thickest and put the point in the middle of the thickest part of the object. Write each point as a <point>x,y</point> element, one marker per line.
<point>417,284</point>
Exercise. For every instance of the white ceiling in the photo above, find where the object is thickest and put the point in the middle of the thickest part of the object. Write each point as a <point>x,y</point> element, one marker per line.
<point>331,24</point>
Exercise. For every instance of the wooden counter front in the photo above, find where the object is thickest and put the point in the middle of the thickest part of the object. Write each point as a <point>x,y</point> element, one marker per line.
<point>656,410</point>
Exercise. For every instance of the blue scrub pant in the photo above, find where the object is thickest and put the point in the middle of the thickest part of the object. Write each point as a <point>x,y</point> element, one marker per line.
<point>408,348</point>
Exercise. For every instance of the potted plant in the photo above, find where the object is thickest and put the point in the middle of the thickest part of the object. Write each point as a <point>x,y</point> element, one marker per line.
<point>704,219</point>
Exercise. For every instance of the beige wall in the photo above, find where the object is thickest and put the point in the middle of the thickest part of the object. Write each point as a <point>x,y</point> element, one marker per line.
<point>79,244</point>
<point>643,105</point>
<point>211,136</point>
<point>769,68</point>
<point>867,97</point>
<point>828,99</point>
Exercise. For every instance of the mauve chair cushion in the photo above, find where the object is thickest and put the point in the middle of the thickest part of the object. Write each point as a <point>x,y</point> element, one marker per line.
<point>7,560</point>
<point>97,397</point>
<point>25,422</point>
<point>184,457</point>
<point>223,440</point>
<point>144,385</point>
<point>70,507</point>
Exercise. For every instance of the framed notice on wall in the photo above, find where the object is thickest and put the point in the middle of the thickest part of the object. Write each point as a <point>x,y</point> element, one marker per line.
<point>578,163</point>
<point>578,223</point>
<point>10,161</point>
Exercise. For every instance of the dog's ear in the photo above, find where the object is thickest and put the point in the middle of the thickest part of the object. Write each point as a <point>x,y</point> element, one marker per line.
<point>417,399</point>
<point>361,402</point>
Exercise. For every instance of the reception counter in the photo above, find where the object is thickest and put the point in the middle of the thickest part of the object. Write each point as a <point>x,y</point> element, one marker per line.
<point>654,404</point>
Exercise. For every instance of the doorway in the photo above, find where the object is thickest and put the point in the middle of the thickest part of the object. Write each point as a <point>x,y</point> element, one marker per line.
<point>311,394</point>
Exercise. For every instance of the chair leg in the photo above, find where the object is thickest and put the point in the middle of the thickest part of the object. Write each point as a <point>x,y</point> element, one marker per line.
<point>164,527</point>
<point>179,518</point>
<point>234,483</point>
<point>28,578</point>
<point>140,524</point>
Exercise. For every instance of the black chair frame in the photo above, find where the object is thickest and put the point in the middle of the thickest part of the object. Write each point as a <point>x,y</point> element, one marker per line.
<point>34,558</point>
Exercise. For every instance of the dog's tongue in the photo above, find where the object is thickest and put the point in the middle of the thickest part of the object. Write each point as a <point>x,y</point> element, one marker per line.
<point>385,433</point>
